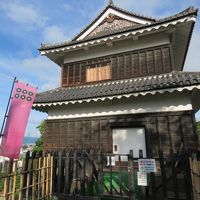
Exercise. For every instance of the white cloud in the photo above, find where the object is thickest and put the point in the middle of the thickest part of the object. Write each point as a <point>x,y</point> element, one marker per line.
<point>155,8</point>
<point>67,7</point>
<point>53,34</point>
<point>23,13</point>
<point>38,71</point>
<point>34,120</point>
<point>143,6</point>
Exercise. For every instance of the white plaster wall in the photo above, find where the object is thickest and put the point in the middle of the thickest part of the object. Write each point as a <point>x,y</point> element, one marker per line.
<point>122,138</point>
<point>133,105</point>
<point>118,47</point>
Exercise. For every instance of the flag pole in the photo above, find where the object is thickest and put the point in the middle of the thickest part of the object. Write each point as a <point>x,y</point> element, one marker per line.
<point>6,113</point>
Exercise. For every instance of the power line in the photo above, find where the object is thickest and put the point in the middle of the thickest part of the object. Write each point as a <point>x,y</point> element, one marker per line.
<point>6,76</point>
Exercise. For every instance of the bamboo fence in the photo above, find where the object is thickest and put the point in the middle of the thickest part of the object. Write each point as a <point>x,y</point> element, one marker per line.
<point>195,175</point>
<point>32,180</point>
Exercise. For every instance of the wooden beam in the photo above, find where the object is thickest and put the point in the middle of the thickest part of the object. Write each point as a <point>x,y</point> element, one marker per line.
<point>86,48</point>
<point>109,43</point>
<point>135,38</point>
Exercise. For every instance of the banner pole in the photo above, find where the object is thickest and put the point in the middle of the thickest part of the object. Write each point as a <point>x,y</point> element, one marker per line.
<point>6,113</point>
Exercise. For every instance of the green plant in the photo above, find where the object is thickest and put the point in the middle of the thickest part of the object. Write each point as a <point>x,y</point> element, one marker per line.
<point>39,142</point>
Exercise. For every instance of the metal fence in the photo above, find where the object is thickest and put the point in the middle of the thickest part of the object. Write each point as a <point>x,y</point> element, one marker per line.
<point>86,174</point>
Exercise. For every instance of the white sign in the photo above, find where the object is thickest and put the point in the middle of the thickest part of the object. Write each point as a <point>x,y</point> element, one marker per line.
<point>147,165</point>
<point>142,178</point>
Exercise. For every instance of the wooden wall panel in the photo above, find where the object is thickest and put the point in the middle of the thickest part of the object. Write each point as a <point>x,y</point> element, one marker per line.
<point>128,66</point>
<point>158,61</point>
<point>95,135</point>
<point>78,134</point>
<point>125,65</point>
<point>175,132</point>
<point>150,62</point>
<point>163,131</point>
<point>152,136</point>
<point>164,137</point>
<point>135,64</point>
<point>142,63</point>
<point>63,132</point>
<point>187,131</point>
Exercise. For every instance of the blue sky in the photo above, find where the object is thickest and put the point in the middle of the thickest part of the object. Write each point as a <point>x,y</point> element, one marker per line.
<point>25,24</point>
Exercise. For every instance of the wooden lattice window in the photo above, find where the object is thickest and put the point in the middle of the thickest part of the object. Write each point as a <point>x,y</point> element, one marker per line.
<point>98,73</point>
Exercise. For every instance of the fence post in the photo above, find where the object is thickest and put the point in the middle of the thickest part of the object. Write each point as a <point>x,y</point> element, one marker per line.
<point>100,174</point>
<point>195,176</point>
<point>21,180</point>
<point>174,174</point>
<point>25,172</point>
<point>163,174</point>
<point>187,174</point>
<point>54,172</point>
<point>59,173</point>
<point>14,179</point>
<point>7,180</point>
<point>66,187</point>
<point>131,173</point>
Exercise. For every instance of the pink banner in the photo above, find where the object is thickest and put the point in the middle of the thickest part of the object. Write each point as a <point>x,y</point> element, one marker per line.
<point>20,107</point>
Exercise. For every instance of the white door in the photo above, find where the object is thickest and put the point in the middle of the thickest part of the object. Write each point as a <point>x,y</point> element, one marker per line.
<point>125,139</point>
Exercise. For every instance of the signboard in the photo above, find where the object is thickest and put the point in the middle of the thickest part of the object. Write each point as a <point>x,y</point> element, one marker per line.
<point>147,165</point>
<point>142,178</point>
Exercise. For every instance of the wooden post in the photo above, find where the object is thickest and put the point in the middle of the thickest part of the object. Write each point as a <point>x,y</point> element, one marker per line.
<point>14,179</point>
<point>82,174</point>
<point>54,173</point>
<point>66,187</point>
<point>7,180</point>
<point>144,189</point>
<point>195,175</point>
<point>34,168</point>
<point>45,167</point>
<point>174,174</point>
<point>84,170</point>
<point>131,177</point>
<point>100,175</point>
<point>163,174</point>
<point>21,180</point>
<point>74,179</point>
<point>110,165</point>
<point>47,175</point>
<point>28,179</point>
<point>120,174</point>
<point>10,174</point>
<point>51,178</point>
<point>39,177</point>
<point>43,177</point>
<point>25,172</point>
<point>59,173</point>
<point>187,174</point>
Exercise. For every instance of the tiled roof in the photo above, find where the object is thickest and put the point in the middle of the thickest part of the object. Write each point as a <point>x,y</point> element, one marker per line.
<point>186,12</point>
<point>175,79</point>
<point>116,8</point>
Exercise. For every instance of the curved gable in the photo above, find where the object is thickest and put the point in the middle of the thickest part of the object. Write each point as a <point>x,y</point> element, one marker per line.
<point>114,19</point>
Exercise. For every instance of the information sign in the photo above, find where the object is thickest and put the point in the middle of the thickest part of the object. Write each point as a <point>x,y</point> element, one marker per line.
<point>142,178</point>
<point>147,165</point>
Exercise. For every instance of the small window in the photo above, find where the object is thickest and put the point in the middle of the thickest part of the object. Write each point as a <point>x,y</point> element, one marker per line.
<point>98,73</point>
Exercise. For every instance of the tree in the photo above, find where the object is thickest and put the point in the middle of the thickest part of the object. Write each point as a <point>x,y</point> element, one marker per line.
<point>39,142</point>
